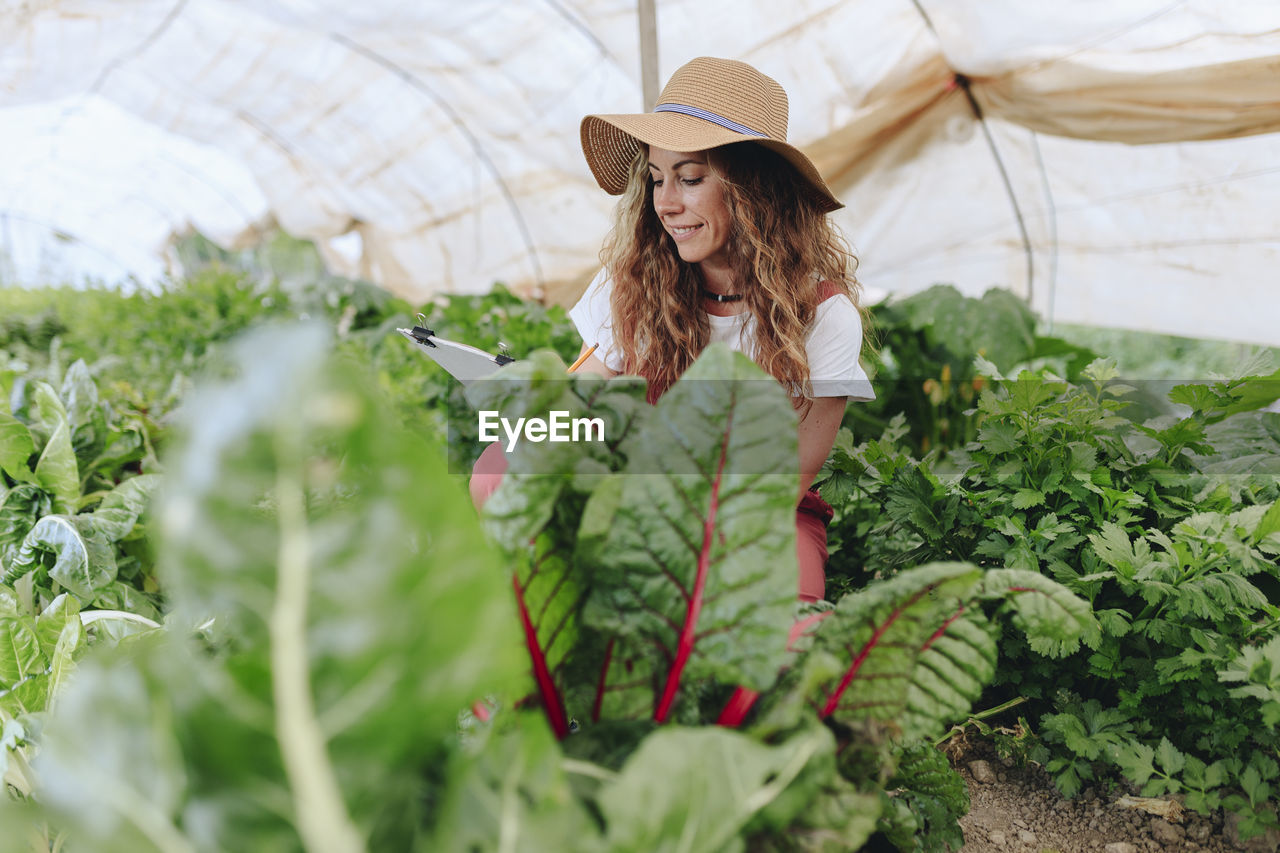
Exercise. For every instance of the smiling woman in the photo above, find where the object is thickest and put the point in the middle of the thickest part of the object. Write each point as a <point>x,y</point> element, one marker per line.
<point>722,235</point>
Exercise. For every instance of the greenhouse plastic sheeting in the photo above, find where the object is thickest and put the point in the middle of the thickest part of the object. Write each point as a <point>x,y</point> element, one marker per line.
<point>1124,174</point>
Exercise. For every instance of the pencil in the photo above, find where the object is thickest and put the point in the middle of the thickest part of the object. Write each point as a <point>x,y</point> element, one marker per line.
<point>586,355</point>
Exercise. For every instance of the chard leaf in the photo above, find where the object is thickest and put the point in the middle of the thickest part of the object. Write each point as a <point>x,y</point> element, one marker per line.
<point>56,471</point>
<point>62,658</point>
<point>53,619</point>
<point>624,680</point>
<point>936,796</point>
<point>16,447</point>
<point>1054,620</point>
<point>535,512</point>
<point>955,663</point>
<point>116,516</point>
<point>880,632</point>
<point>512,792</point>
<point>20,656</point>
<point>695,789</point>
<point>20,509</point>
<point>695,556</point>
<point>28,696</point>
<point>85,417</point>
<point>111,762</point>
<point>83,561</point>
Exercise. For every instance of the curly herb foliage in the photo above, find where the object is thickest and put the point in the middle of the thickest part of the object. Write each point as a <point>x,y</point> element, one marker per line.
<point>923,361</point>
<point>655,574</point>
<point>1170,539</point>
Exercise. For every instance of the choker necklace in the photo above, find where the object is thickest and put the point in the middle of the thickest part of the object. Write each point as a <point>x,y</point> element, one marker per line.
<point>721,297</point>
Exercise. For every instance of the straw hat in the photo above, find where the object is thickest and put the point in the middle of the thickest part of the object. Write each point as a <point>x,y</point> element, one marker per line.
<point>707,103</point>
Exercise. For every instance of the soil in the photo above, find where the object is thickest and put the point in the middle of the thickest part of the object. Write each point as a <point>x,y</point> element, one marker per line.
<point>1018,809</point>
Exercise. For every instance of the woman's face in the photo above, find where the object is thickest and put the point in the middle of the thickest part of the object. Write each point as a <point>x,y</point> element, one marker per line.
<point>689,200</point>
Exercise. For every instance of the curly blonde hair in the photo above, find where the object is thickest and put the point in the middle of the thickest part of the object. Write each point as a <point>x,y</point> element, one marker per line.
<point>781,248</point>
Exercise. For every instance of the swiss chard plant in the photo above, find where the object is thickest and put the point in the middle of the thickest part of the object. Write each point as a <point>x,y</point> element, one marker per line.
<point>74,568</point>
<point>655,577</point>
<point>71,496</point>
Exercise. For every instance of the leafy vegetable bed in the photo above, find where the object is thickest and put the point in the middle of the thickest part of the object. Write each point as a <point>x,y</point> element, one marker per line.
<point>625,636</point>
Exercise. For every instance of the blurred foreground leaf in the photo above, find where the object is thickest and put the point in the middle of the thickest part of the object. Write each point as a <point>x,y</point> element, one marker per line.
<point>355,611</point>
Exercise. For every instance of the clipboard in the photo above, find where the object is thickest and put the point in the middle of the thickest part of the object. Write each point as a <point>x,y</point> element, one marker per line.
<point>465,363</point>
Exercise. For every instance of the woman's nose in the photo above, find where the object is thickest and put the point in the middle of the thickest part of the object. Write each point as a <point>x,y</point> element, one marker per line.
<point>666,199</point>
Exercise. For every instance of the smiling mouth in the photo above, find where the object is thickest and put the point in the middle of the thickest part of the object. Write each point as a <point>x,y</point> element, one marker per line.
<point>684,231</point>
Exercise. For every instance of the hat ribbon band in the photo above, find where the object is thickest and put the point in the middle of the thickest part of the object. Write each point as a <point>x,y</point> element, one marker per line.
<point>707,115</point>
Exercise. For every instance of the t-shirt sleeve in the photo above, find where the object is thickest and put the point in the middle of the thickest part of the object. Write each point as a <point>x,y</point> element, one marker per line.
<point>594,318</point>
<point>833,348</point>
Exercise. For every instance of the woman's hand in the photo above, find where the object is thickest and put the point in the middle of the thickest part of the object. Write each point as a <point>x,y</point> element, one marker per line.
<point>818,430</point>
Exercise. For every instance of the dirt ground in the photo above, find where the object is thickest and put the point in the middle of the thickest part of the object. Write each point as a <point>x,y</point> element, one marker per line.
<point>1018,809</point>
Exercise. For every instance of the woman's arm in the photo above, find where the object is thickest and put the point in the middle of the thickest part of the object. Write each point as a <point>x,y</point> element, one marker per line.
<point>595,365</point>
<point>818,430</point>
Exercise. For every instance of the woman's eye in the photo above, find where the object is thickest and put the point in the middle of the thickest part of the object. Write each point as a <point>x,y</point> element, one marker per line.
<point>692,182</point>
<point>656,182</point>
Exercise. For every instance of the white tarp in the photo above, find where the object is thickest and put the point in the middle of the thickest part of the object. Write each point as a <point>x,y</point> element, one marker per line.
<point>1138,138</point>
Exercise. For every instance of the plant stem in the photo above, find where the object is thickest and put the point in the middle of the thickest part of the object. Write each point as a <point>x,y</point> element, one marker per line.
<point>321,814</point>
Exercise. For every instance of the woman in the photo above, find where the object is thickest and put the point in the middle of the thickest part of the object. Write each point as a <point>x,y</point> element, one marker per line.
<point>721,235</point>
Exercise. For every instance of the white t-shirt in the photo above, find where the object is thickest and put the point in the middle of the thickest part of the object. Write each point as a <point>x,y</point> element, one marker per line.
<point>832,347</point>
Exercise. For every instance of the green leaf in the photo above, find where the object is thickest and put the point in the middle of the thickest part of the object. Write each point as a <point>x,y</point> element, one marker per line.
<point>999,437</point>
<point>1101,370</point>
<point>82,560</point>
<point>512,792</point>
<point>118,512</point>
<point>1112,544</point>
<point>85,416</point>
<point>661,801</point>
<point>16,447</point>
<point>1269,523</point>
<point>880,632</point>
<point>985,368</point>
<point>53,619</point>
<point>1026,498</point>
<point>57,472</point>
<point>957,661</point>
<point>29,696</point>
<point>936,796</point>
<point>541,500</point>
<point>695,559</point>
<point>1171,760</point>
<point>1137,761</point>
<point>44,408</point>
<point>1054,620</point>
<point>20,509</point>
<point>20,655</point>
<point>62,658</point>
